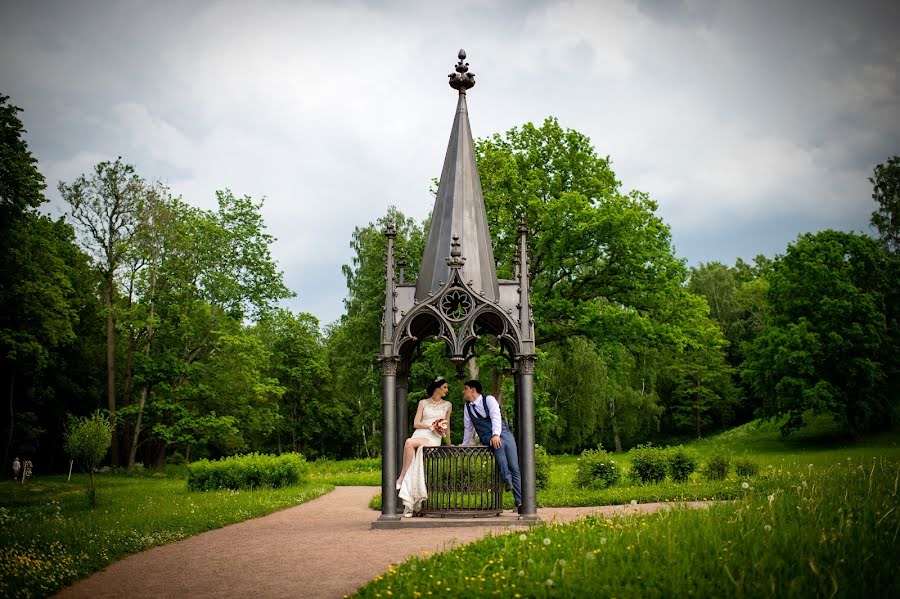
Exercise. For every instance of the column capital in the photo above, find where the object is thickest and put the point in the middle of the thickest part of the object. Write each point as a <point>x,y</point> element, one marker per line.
<point>526,364</point>
<point>389,365</point>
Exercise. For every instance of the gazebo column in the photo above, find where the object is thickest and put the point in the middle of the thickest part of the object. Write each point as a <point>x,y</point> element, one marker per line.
<point>517,398</point>
<point>389,470</point>
<point>526,442</point>
<point>402,415</point>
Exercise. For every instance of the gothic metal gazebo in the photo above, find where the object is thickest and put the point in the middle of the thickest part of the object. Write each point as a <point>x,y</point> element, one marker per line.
<point>457,299</point>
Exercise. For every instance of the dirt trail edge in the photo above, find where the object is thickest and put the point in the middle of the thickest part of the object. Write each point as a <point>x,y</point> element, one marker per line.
<point>323,548</point>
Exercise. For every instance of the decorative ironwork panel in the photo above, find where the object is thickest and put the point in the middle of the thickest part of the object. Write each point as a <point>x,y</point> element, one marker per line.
<point>462,481</point>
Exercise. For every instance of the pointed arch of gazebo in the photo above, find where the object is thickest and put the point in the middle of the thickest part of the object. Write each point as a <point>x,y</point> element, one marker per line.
<point>457,298</point>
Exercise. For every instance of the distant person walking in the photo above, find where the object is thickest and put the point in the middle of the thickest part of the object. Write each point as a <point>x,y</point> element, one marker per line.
<point>17,467</point>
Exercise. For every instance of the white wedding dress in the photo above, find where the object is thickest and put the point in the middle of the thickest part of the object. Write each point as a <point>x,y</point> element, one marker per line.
<point>412,491</point>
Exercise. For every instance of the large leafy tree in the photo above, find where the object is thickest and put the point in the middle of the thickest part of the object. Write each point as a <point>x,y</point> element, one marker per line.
<point>199,274</point>
<point>353,342</point>
<point>602,267</point>
<point>831,343</point>
<point>886,193</point>
<point>21,184</point>
<point>601,260</point>
<point>104,205</point>
<point>45,292</point>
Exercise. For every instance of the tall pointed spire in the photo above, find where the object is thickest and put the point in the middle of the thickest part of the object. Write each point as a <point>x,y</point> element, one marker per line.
<point>459,208</point>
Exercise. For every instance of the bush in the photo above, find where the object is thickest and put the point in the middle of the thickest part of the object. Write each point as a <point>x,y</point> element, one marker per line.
<point>248,471</point>
<point>541,467</point>
<point>717,465</point>
<point>648,464</point>
<point>176,459</point>
<point>682,463</point>
<point>745,467</point>
<point>596,470</point>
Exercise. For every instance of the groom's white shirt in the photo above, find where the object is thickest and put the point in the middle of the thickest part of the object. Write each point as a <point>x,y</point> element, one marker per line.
<point>481,405</point>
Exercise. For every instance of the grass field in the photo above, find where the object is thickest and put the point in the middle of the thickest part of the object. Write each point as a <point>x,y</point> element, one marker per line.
<point>821,531</point>
<point>820,519</point>
<point>51,537</point>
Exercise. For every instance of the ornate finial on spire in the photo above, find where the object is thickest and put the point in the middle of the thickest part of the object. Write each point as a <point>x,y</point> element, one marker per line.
<point>462,79</point>
<point>454,247</point>
<point>523,226</point>
<point>455,258</point>
<point>389,231</point>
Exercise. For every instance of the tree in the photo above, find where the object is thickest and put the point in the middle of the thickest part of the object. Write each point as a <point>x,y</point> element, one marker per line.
<point>353,342</point>
<point>699,373</point>
<point>601,260</point>
<point>87,440</point>
<point>44,288</point>
<point>21,184</point>
<point>104,206</point>
<point>886,193</point>
<point>197,274</point>
<point>831,344</point>
<point>315,422</point>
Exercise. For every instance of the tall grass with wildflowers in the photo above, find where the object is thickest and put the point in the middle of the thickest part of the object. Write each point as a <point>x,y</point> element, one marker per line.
<point>817,532</point>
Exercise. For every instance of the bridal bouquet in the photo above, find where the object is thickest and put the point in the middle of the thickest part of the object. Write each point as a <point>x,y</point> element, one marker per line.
<point>440,426</point>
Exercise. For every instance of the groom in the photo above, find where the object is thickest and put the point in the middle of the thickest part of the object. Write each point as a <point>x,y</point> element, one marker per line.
<point>482,416</point>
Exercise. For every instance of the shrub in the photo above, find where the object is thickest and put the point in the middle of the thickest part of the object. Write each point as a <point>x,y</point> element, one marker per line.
<point>682,463</point>
<point>745,467</point>
<point>717,465</point>
<point>248,471</point>
<point>87,440</point>
<point>648,464</point>
<point>596,470</point>
<point>176,459</point>
<point>541,467</point>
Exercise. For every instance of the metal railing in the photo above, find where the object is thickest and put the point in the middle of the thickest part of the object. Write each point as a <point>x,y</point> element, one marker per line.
<point>462,481</point>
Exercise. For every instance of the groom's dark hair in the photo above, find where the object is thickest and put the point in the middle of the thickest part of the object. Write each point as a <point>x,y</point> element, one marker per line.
<point>474,384</point>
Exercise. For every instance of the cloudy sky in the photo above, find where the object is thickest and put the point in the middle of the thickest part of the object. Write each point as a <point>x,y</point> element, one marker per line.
<point>748,122</point>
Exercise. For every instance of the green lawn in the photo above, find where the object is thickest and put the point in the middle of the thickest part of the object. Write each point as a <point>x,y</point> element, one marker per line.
<point>819,519</point>
<point>818,532</point>
<point>52,538</point>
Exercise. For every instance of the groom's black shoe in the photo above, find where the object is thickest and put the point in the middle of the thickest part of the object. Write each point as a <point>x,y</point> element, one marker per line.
<point>519,508</point>
<point>509,485</point>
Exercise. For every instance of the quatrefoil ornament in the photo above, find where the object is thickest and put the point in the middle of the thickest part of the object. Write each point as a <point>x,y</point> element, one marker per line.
<point>456,305</point>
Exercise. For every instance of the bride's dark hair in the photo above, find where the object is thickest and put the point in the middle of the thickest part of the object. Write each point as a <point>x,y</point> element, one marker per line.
<point>434,385</point>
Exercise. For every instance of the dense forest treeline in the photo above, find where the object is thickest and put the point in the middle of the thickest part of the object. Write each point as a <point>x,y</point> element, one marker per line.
<point>168,316</point>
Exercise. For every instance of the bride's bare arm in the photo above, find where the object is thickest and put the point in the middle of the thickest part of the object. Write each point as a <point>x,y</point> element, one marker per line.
<point>447,417</point>
<point>417,421</point>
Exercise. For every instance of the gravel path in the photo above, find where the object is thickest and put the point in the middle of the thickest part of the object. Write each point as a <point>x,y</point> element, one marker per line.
<point>322,548</point>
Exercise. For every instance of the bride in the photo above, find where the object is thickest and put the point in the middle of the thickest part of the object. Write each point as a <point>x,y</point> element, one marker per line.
<point>432,423</point>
